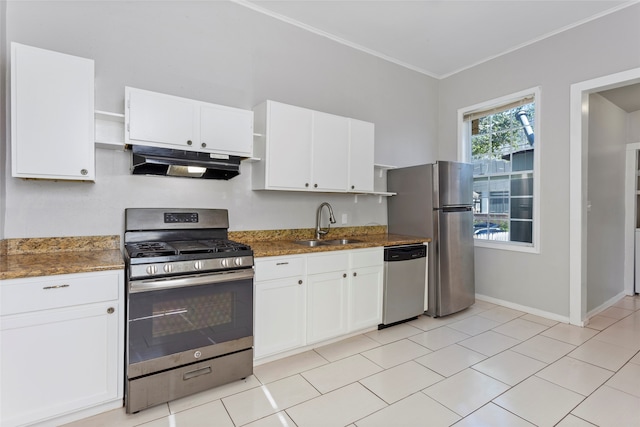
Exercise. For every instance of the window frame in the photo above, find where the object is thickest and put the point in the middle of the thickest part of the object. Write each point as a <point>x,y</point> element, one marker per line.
<point>464,155</point>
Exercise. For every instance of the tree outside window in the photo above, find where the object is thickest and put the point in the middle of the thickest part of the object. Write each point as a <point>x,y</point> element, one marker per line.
<point>502,153</point>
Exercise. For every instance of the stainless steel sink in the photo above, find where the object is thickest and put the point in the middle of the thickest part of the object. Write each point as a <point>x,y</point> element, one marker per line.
<point>340,241</point>
<point>334,242</point>
<point>310,243</point>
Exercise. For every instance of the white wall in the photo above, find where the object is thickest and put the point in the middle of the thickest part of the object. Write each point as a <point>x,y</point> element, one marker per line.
<point>633,127</point>
<point>223,53</point>
<point>4,103</point>
<point>605,46</point>
<point>605,193</point>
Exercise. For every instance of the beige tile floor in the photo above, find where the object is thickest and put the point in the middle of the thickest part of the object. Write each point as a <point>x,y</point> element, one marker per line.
<point>487,366</point>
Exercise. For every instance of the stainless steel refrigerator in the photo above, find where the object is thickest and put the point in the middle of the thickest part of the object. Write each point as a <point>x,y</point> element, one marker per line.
<point>436,201</point>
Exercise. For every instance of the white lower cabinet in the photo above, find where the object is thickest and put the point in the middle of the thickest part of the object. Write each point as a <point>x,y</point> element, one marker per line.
<point>280,295</point>
<point>327,295</point>
<point>312,298</point>
<point>365,288</point>
<point>62,359</point>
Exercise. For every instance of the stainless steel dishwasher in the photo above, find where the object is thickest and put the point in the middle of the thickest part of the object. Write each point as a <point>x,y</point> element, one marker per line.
<point>404,283</point>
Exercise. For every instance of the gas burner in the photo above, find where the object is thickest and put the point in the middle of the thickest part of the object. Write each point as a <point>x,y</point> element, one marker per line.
<point>149,249</point>
<point>220,245</point>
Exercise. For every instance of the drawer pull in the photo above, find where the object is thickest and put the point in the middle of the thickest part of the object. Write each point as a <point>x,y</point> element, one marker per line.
<point>196,373</point>
<point>110,310</point>
<point>56,287</point>
<point>282,263</point>
<point>299,282</point>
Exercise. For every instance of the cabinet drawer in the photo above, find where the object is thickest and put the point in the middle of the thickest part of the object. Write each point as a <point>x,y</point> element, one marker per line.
<point>41,293</point>
<point>278,267</point>
<point>324,263</point>
<point>367,257</point>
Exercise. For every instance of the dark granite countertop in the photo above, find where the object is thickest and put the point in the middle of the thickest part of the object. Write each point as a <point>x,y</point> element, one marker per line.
<point>20,258</point>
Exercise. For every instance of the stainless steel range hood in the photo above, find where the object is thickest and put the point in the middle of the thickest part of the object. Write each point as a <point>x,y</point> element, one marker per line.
<point>189,164</point>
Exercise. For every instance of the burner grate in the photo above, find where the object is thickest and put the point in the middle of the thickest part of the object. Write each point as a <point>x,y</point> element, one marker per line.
<point>149,249</point>
<point>220,245</point>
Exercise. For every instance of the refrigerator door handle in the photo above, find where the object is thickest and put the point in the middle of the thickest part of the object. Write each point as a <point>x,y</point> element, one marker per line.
<point>455,209</point>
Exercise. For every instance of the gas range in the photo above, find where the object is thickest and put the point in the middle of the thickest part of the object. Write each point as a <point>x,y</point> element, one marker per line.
<point>189,304</point>
<point>163,242</point>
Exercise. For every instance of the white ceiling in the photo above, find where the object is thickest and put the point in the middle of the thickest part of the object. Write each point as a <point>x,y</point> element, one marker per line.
<point>437,38</point>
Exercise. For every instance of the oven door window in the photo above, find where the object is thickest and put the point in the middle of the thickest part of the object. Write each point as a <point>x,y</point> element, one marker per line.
<point>169,321</point>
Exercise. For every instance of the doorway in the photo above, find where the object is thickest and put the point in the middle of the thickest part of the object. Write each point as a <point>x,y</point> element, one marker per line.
<point>578,165</point>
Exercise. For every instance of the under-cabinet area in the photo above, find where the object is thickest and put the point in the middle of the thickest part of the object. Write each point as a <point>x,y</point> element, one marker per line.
<point>307,299</point>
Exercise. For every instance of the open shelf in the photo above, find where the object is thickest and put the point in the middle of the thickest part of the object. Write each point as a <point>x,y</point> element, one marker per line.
<point>109,130</point>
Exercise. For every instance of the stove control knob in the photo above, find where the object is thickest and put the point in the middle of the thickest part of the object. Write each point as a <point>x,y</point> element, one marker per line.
<point>224,262</point>
<point>237,262</point>
<point>152,269</point>
<point>197,265</point>
<point>168,268</point>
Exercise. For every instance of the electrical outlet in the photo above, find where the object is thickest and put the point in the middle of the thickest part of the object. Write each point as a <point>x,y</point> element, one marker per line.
<point>344,218</point>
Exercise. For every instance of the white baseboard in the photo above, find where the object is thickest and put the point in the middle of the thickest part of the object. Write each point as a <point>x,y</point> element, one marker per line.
<point>602,307</point>
<point>526,309</point>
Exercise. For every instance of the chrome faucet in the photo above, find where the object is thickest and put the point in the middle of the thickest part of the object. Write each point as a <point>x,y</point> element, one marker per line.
<point>320,232</point>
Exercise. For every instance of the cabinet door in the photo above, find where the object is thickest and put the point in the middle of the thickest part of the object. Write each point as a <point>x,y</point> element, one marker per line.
<point>288,147</point>
<point>279,315</point>
<point>361,156</point>
<point>326,306</point>
<point>160,120</point>
<point>52,115</point>
<point>226,130</point>
<point>58,361</point>
<point>330,152</point>
<point>365,298</point>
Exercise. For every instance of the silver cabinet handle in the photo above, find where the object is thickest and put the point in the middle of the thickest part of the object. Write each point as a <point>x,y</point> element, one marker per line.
<point>56,286</point>
<point>110,310</point>
<point>299,282</point>
<point>282,263</point>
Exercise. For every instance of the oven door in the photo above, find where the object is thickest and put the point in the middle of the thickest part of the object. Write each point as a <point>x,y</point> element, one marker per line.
<point>177,321</point>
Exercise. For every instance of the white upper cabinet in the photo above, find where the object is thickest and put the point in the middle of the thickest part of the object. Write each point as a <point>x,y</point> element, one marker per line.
<point>361,153</point>
<point>330,152</point>
<point>160,120</point>
<point>52,115</point>
<point>305,150</point>
<point>285,134</point>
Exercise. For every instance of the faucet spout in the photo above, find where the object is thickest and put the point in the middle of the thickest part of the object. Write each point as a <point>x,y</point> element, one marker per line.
<point>319,231</point>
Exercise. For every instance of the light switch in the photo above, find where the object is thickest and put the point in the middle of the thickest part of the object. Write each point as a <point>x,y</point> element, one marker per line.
<point>344,218</point>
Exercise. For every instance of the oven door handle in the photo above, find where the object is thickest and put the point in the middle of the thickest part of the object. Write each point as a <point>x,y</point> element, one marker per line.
<point>179,282</point>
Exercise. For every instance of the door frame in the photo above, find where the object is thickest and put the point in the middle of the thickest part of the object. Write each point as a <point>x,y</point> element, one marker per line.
<point>578,164</point>
<point>630,188</point>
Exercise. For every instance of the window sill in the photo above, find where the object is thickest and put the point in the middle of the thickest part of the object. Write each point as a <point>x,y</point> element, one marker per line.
<point>513,247</point>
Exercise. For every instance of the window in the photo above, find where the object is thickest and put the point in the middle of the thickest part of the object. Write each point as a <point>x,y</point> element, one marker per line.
<point>500,139</point>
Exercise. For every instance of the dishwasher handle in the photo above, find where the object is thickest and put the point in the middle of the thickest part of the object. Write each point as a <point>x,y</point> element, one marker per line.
<point>404,253</point>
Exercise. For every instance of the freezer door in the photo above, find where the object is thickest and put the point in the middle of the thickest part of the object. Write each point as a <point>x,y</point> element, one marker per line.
<point>410,210</point>
<point>455,289</point>
<point>453,184</point>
